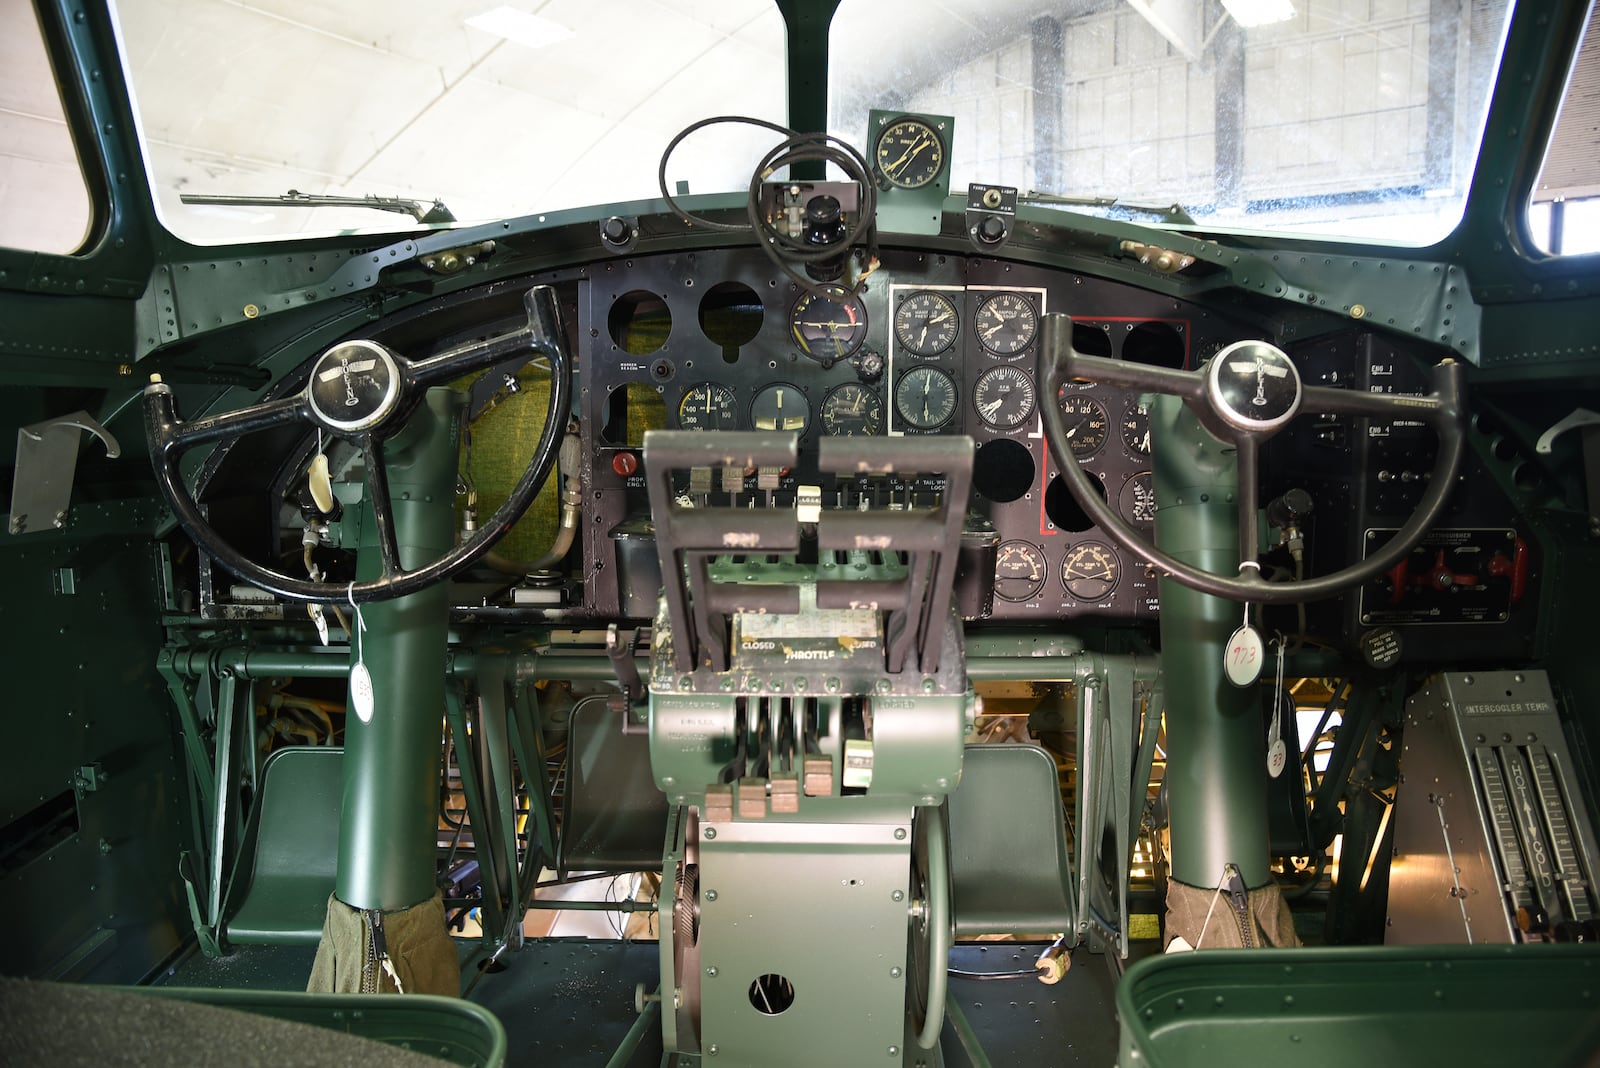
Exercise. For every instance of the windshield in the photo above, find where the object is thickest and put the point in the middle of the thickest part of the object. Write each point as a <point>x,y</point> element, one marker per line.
<point>497,110</point>
<point>1350,117</point>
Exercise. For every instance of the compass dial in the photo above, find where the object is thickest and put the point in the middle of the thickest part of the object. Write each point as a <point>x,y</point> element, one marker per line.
<point>708,406</point>
<point>1090,571</point>
<point>1136,429</point>
<point>1006,323</point>
<point>909,154</point>
<point>828,326</point>
<point>1086,422</point>
<point>780,406</point>
<point>925,397</point>
<point>1003,397</point>
<point>851,410</point>
<point>1019,571</point>
<point>926,323</point>
<point>1137,501</point>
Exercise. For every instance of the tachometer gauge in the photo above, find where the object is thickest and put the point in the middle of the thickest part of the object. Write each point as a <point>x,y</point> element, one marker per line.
<point>708,406</point>
<point>1089,571</point>
<point>925,397</point>
<point>1019,571</point>
<point>1006,323</point>
<point>1136,429</point>
<point>828,328</point>
<point>1085,421</point>
<point>1004,397</point>
<point>780,406</point>
<point>909,154</point>
<point>1137,501</point>
<point>926,323</point>
<point>851,410</point>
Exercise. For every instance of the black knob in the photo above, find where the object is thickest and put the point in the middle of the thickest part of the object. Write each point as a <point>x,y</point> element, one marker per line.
<point>992,230</point>
<point>869,366</point>
<point>824,220</point>
<point>616,231</point>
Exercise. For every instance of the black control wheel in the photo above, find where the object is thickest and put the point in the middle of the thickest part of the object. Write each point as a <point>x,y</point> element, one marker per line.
<point>364,392</point>
<point>1244,395</point>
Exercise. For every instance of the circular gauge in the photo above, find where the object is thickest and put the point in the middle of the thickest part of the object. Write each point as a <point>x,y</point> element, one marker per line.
<point>926,323</point>
<point>925,397</point>
<point>1136,429</point>
<point>828,327</point>
<point>1085,421</point>
<point>851,410</point>
<point>1137,501</point>
<point>1089,571</point>
<point>708,406</point>
<point>1004,397</point>
<point>1006,323</point>
<point>780,406</point>
<point>1019,571</point>
<point>909,154</point>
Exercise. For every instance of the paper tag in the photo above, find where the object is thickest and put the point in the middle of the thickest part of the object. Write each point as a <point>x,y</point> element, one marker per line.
<point>315,612</point>
<point>1277,757</point>
<point>1245,656</point>
<point>361,691</point>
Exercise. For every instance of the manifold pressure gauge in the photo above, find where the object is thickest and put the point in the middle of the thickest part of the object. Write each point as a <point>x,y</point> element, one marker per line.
<point>926,323</point>
<point>909,154</point>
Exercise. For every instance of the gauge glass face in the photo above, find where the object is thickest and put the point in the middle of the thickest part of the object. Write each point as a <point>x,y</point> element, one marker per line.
<point>708,406</point>
<point>1086,422</point>
<point>851,410</point>
<point>1019,571</point>
<point>1004,397</point>
<point>1136,429</point>
<point>909,154</point>
<point>1089,571</point>
<point>925,397</point>
<point>1006,323</point>
<point>926,323</point>
<point>780,406</point>
<point>1137,501</point>
<point>828,327</point>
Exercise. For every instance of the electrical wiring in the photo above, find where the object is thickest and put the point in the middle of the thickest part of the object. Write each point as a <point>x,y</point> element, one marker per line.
<point>782,249</point>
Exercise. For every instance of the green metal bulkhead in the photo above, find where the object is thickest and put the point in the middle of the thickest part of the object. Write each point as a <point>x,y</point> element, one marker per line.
<point>1216,778</point>
<point>391,766</point>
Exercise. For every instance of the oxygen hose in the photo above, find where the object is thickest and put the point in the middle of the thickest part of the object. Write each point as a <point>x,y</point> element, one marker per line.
<point>566,533</point>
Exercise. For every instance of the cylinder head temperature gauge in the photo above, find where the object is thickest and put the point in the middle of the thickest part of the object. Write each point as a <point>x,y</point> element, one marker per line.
<point>1019,571</point>
<point>1090,570</point>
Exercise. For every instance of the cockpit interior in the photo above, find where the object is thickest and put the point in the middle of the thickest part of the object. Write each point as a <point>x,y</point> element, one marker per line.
<point>800,532</point>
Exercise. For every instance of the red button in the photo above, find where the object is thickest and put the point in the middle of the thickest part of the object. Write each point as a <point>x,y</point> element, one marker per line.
<point>624,463</point>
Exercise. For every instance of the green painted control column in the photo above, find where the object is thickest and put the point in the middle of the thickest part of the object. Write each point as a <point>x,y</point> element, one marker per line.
<point>1216,749</point>
<point>391,763</point>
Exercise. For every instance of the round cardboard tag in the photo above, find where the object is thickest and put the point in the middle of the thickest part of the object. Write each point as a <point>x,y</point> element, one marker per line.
<point>1244,657</point>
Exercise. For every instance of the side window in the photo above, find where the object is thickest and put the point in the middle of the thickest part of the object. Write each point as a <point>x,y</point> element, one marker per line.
<point>1564,215</point>
<point>44,203</point>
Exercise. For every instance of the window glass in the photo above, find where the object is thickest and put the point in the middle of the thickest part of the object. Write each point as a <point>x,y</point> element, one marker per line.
<point>1353,117</point>
<point>496,109</point>
<point>1564,217</point>
<point>44,203</point>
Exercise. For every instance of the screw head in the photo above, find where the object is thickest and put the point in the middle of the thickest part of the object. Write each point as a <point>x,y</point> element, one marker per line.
<point>894,973</point>
<point>711,832</point>
<point>898,895</point>
<point>711,972</point>
<point>711,895</point>
<point>899,834</point>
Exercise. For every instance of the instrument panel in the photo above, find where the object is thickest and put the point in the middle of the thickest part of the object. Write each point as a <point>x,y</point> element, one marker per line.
<point>934,345</point>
